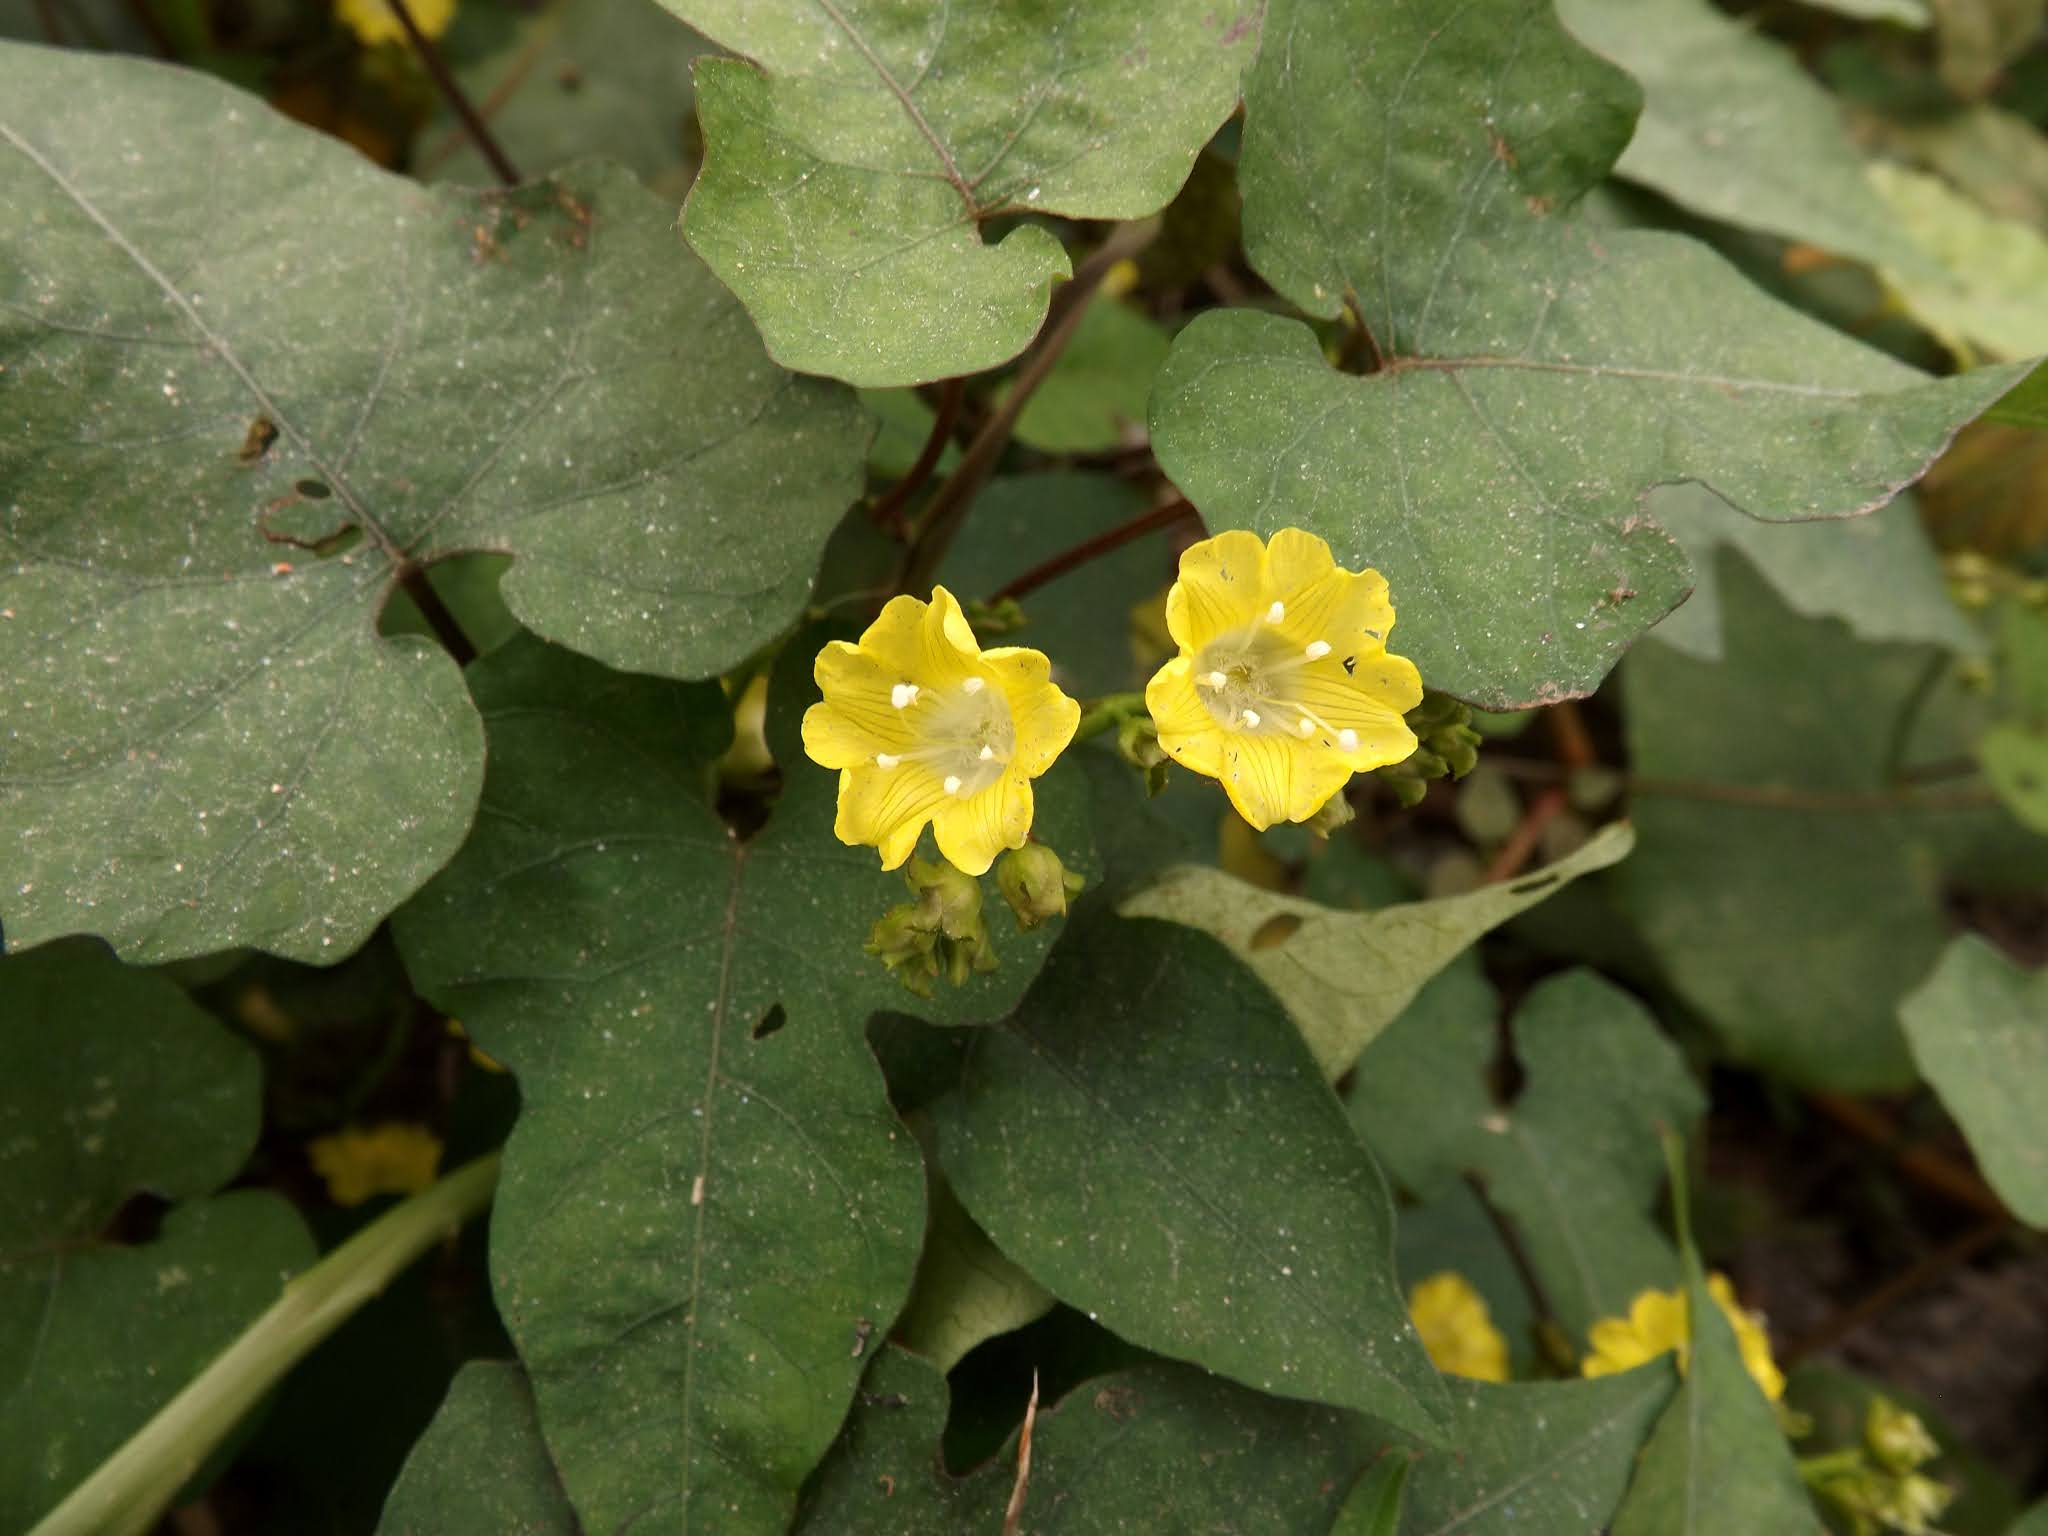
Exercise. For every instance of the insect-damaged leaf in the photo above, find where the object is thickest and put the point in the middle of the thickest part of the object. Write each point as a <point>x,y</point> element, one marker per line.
<point>245,377</point>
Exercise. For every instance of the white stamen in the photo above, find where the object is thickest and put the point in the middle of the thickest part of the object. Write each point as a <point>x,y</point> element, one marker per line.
<point>952,783</point>
<point>1215,679</point>
<point>903,695</point>
<point>988,754</point>
<point>1276,613</point>
<point>1251,718</point>
<point>973,685</point>
<point>1318,649</point>
<point>886,760</point>
<point>1348,739</point>
<point>1306,726</point>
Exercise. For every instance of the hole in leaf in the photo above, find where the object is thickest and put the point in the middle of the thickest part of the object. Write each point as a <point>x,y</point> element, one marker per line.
<point>1275,931</point>
<point>769,1022</point>
<point>313,490</point>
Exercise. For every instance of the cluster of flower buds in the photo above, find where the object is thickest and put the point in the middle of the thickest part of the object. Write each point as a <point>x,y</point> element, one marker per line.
<point>942,932</point>
<point>1447,746</point>
<point>1878,1486</point>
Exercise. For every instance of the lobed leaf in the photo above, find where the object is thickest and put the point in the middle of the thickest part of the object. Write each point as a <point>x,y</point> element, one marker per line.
<point>228,346</point>
<point>685,1013</point>
<point>1535,376</point>
<point>853,158</point>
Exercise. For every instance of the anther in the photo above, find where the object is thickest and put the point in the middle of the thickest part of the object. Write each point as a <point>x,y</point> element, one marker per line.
<point>973,685</point>
<point>988,754</point>
<point>1348,739</point>
<point>1306,726</point>
<point>952,783</point>
<point>1251,718</point>
<point>1276,613</point>
<point>886,760</point>
<point>903,695</point>
<point>1216,680</point>
<point>1318,649</point>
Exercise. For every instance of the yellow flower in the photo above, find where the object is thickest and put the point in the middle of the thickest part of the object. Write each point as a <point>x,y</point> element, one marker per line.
<point>1657,1323</point>
<point>925,726</point>
<point>1283,687</point>
<point>373,22</point>
<point>390,1159</point>
<point>1456,1328</point>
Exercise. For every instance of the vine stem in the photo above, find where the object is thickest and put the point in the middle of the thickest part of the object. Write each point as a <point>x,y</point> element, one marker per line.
<point>458,101</point>
<point>412,577</point>
<point>949,504</point>
<point>128,1492</point>
<point>888,512</point>
<point>1095,547</point>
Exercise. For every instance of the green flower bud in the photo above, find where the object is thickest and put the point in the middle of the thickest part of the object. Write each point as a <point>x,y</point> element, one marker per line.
<point>1035,884</point>
<point>1336,812</point>
<point>951,900</point>
<point>1897,1438</point>
<point>1137,742</point>
<point>1914,1503</point>
<point>906,941</point>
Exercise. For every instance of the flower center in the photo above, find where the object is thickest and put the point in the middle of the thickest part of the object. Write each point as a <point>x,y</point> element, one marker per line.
<point>964,734</point>
<point>1247,681</point>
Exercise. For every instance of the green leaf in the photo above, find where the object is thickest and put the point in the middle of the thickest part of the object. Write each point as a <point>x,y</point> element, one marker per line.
<point>579,79</point>
<point>1345,976</point>
<point>481,1465</point>
<point>967,1291</point>
<point>1160,1448</point>
<point>1539,375</point>
<point>1789,888</point>
<point>1978,1029</point>
<point>1878,574</point>
<point>2027,405</point>
<point>1977,286</point>
<point>2033,1523</point>
<point>112,1082</point>
<point>1082,620</point>
<point>1090,1137</point>
<point>1094,398</point>
<point>1374,1505</point>
<point>1906,13</point>
<point>1537,1459</point>
<point>685,1014</point>
<point>209,744</point>
<point>1734,127</point>
<point>1979,38</point>
<point>1717,1460</point>
<point>853,158</point>
<point>1573,1161</point>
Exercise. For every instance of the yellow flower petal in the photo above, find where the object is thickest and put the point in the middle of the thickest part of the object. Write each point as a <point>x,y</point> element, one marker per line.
<point>389,1159</point>
<point>1221,587</point>
<point>926,728</point>
<point>1283,687</point>
<point>1187,731</point>
<point>1659,1322</point>
<point>373,22</point>
<point>971,832</point>
<point>1457,1329</point>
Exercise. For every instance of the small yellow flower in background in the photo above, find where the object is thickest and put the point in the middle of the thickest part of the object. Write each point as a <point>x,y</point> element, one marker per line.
<point>925,726</point>
<point>389,1159</point>
<point>1456,1328</point>
<point>1284,687</point>
<point>373,22</point>
<point>1657,1323</point>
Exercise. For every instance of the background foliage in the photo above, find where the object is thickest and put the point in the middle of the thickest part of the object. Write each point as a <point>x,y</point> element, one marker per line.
<point>412,552</point>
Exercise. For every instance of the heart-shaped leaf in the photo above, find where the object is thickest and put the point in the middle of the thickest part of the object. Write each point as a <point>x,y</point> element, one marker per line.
<point>700,1107</point>
<point>481,1466</point>
<point>851,165</point>
<point>229,346</point>
<point>1531,377</point>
